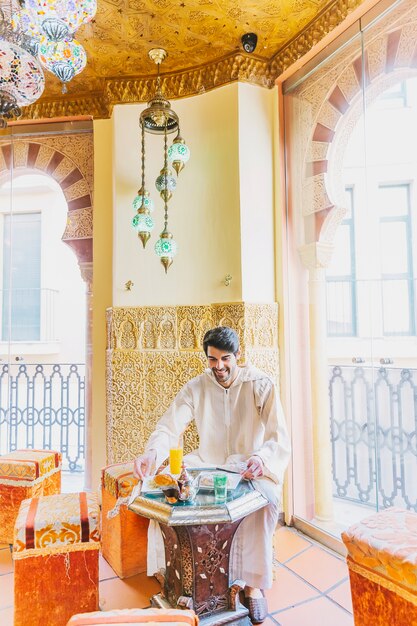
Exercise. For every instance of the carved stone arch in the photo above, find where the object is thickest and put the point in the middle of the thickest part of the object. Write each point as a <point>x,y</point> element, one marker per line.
<point>387,60</point>
<point>39,155</point>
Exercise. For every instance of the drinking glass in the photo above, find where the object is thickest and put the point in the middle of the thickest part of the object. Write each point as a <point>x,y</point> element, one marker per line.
<point>220,487</point>
<point>175,460</point>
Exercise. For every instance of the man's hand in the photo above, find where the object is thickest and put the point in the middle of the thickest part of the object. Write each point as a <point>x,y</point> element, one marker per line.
<point>254,469</point>
<point>144,464</point>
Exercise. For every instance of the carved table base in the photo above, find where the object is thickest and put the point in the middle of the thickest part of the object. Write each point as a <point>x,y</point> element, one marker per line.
<point>197,573</point>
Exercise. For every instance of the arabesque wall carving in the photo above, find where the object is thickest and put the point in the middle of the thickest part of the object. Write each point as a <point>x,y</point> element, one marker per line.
<point>153,351</point>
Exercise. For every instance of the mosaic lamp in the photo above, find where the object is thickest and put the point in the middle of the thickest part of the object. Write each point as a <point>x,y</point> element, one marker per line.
<point>166,248</point>
<point>159,119</point>
<point>65,58</point>
<point>59,19</point>
<point>21,77</point>
<point>165,184</point>
<point>178,153</point>
<point>22,21</point>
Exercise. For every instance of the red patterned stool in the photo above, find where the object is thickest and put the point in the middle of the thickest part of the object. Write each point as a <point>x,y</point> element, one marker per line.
<point>55,552</point>
<point>124,534</point>
<point>170,617</point>
<point>25,474</point>
<point>382,561</point>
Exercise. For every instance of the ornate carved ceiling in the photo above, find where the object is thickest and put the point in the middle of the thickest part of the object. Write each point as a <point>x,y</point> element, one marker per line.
<point>203,40</point>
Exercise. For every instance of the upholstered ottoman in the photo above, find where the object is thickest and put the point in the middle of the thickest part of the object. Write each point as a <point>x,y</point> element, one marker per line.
<point>382,560</point>
<point>55,552</point>
<point>169,617</point>
<point>124,534</point>
<point>25,474</point>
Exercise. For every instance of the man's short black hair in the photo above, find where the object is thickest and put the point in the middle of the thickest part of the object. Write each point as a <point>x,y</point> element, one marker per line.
<point>222,338</point>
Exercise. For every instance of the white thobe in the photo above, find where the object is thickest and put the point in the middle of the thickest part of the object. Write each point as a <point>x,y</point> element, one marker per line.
<point>233,424</point>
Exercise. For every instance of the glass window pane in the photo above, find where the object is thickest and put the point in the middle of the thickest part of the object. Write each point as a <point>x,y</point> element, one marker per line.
<point>339,308</point>
<point>396,306</point>
<point>341,263</point>
<point>393,200</point>
<point>394,248</point>
<point>21,277</point>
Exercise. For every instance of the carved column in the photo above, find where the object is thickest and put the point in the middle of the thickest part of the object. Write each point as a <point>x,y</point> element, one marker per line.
<point>316,257</point>
<point>86,269</point>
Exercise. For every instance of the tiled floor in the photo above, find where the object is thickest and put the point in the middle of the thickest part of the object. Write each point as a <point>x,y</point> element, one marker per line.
<point>311,586</point>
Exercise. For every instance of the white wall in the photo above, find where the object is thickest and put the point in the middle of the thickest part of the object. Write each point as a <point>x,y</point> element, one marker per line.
<point>222,212</point>
<point>204,209</point>
<point>256,170</point>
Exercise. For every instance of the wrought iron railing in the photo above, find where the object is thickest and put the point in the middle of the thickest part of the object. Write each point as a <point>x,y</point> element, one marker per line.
<point>374,435</point>
<point>43,406</point>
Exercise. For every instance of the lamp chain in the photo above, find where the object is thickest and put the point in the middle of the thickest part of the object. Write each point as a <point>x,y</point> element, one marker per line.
<point>166,174</point>
<point>143,165</point>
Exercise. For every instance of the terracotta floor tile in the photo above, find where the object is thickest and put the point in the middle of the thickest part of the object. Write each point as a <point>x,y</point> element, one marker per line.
<point>6,617</point>
<point>6,591</point>
<point>6,563</point>
<point>130,593</point>
<point>342,596</point>
<point>105,570</point>
<point>320,612</point>
<point>287,590</point>
<point>319,568</point>
<point>267,622</point>
<point>288,543</point>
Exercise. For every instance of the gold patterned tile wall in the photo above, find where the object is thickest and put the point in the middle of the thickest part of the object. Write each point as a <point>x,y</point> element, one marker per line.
<point>153,351</point>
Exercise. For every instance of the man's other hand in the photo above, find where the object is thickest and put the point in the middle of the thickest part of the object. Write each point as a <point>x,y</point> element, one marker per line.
<point>144,464</point>
<point>254,468</point>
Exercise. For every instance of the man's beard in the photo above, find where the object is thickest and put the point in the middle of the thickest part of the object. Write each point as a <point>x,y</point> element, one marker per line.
<point>224,377</point>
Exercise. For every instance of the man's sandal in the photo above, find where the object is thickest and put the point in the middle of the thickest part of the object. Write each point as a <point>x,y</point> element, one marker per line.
<point>258,609</point>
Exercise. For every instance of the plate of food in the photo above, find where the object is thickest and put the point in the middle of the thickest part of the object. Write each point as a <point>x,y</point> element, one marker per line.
<point>154,484</point>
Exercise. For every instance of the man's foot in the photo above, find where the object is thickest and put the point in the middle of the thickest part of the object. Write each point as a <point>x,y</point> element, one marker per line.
<point>256,602</point>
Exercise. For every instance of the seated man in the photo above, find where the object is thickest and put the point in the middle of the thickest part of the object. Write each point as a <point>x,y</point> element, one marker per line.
<point>238,417</point>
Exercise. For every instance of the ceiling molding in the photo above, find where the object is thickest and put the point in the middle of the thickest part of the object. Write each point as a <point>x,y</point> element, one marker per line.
<point>195,81</point>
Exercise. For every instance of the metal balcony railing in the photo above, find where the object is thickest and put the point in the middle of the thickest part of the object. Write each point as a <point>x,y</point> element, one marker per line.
<point>43,406</point>
<point>373,416</point>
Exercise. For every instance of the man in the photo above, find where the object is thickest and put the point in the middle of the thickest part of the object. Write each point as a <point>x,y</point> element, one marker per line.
<point>239,418</point>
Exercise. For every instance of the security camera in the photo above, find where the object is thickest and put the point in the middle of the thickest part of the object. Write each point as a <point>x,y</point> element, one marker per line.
<point>249,41</point>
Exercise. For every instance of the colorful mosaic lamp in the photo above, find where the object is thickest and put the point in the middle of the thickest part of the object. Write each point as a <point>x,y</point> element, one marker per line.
<point>59,19</point>
<point>159,119</point>
<point>21,78</point>
<point>65,58</point>
<point>22,21</point>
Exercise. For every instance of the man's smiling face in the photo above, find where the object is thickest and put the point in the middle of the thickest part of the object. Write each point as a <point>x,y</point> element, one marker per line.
<point>223,364</point>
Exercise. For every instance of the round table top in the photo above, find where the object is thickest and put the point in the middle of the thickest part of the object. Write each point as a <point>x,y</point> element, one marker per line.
<point>204,509</point>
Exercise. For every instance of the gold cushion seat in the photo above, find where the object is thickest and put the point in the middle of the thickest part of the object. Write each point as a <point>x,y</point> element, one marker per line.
<point>124,534</point>
<point>160,617</point>
<point>382,561</point>
<point>25,474</point>
<point>55,553</point>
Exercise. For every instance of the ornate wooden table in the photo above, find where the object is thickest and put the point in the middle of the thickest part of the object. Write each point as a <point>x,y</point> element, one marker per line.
<point>198,538</point>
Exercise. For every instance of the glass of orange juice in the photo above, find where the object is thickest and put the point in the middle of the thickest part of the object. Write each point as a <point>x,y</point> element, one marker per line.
<point>175,460</point>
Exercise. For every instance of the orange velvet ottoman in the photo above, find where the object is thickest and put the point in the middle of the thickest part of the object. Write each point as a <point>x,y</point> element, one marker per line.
<point>382,560</point>
<point>124,534</point>
<point>25,474</point>
<point>55,552</point>
<point>169,617</point>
